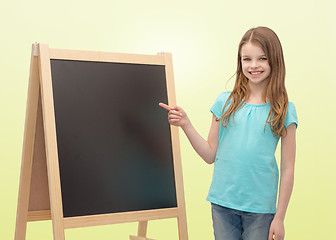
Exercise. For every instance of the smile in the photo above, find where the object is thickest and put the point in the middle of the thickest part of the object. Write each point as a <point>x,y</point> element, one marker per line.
<point>256,73</point>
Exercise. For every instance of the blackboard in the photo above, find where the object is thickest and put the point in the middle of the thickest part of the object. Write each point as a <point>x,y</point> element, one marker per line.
<point>113,140</point>
<point>96,137</point>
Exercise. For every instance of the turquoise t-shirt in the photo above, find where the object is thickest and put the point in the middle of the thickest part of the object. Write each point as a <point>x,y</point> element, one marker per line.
<point>246,173</point>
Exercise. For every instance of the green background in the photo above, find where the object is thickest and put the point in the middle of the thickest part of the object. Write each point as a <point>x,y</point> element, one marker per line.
<point>203,37</point>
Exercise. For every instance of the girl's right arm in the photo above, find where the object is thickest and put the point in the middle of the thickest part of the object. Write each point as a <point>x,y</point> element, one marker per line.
<point>205,149</point>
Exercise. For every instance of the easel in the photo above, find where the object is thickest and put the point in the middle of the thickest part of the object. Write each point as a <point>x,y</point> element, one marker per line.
<point>40,190</point>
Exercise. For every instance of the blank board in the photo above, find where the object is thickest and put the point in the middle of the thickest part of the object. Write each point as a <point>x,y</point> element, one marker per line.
<point>113,140</point>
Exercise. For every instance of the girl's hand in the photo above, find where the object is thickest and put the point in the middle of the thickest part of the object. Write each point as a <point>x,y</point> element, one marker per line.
<point>277,230</point>
<point>176,115</point>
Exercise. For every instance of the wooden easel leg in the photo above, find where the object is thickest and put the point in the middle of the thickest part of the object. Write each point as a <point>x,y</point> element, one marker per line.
<point>51,142</point>
<point>27,150</point>
<point>142,229</point>
<point>139,238</point>
<point>182,227</point>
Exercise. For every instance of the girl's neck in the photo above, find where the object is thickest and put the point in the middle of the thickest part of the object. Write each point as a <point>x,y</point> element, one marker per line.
<point>256,94</point>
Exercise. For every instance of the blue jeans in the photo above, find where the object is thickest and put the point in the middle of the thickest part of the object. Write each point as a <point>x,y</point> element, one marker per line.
<point>231,224</point>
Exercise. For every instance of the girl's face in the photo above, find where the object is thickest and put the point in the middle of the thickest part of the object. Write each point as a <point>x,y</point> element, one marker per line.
<point>254,64</point>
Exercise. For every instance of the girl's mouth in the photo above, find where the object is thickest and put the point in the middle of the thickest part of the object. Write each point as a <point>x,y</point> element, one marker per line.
<point>256,73</point>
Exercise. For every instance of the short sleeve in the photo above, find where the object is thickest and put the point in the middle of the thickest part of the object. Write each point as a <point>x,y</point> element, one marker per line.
<point>291,115</point>
<point>217,107</point>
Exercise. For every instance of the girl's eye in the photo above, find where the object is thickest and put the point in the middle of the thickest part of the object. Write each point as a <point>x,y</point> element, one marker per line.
<point>264,59</point>
<point>246,59</point>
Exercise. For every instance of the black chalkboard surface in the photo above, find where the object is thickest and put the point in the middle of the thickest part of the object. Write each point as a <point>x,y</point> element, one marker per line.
<point>114,141</point>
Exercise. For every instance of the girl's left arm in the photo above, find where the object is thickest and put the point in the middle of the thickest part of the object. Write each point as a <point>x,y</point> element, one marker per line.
<point>288,149</point>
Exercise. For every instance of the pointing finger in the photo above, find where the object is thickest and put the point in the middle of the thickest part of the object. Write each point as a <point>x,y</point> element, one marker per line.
<point>165,106</point>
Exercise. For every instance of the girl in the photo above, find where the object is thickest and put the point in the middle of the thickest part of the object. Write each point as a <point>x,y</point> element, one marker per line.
<point>247,124</point>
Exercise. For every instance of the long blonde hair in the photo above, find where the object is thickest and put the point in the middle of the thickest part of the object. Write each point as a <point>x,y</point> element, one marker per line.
<point>275,89</point>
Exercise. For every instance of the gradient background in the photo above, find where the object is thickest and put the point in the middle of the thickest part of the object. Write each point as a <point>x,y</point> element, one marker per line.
<point>203,37</point>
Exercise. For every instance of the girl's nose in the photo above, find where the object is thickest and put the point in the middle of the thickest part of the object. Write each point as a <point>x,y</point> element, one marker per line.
<point>254,64</point>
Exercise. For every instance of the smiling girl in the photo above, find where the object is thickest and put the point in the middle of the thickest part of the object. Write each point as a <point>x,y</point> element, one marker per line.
<point>247,124</point>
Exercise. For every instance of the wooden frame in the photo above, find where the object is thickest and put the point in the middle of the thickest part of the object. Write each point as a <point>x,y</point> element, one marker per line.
<point>40,189</point>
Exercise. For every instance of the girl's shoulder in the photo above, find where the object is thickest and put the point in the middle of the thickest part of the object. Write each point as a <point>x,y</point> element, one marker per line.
<point>217,107</point>
<point>291,108</point>
<point>291,105</point>
<point>223,96</point>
